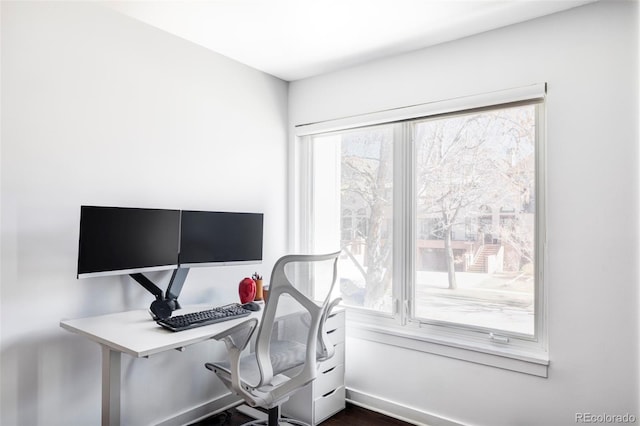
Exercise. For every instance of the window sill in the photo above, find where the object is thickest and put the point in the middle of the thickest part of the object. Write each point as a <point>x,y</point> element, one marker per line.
<point>494,355</point>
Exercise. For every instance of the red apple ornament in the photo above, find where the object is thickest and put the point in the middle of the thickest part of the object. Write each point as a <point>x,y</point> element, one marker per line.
<point>247,290</point>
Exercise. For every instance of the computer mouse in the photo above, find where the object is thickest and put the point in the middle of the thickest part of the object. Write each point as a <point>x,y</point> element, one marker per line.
<point>252,306</point>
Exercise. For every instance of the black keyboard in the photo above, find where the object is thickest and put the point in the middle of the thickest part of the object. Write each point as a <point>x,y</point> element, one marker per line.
<point>209,316</point>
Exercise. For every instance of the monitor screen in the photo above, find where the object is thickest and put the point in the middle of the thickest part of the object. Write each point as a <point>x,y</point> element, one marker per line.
<point>220,238</point>
<point>120,240</point>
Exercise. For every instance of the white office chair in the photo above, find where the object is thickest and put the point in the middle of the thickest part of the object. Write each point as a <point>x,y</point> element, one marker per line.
<point>280,365</point>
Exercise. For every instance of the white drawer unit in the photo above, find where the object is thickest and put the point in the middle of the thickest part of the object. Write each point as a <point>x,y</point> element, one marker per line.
<point>325,396</point>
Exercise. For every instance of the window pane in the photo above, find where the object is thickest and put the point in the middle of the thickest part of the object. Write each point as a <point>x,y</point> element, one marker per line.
<point>475,217</point>
<point>352,209</point>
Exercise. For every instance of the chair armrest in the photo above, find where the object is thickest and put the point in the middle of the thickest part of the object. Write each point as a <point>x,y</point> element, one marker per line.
<point>238,336</point>
<point>236,340</point>
<point>325,348</point>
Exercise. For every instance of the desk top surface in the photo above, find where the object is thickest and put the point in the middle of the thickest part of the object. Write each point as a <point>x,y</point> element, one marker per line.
<point>137,334</point>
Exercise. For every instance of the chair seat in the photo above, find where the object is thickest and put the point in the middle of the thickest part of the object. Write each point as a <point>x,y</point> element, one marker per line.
<point>285,355</point>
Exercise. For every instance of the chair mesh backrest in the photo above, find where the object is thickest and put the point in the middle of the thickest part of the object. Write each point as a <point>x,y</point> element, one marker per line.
<point>291,300</point>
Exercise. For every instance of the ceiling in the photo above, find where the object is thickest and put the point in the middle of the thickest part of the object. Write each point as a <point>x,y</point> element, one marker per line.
<point>295,39</point>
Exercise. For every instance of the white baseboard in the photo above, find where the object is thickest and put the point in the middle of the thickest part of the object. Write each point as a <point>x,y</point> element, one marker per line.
<point>203,411</point>
<point>356,397</point>
<point>397,410</point>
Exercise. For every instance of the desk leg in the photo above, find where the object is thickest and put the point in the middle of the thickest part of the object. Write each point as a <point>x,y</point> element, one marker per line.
<point>110,387</point>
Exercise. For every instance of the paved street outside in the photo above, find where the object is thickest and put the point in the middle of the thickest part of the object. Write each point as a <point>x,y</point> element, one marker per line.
<point>502,301</point>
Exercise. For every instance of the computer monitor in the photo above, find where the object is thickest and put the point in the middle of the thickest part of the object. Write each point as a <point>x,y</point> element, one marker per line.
<point>121,240</point>
<point>220,238</point>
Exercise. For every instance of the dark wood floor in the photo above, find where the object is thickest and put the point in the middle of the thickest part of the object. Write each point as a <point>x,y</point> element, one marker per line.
<point>352,416</point>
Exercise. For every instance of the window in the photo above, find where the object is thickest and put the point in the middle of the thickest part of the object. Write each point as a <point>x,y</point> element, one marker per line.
<point>468,169</point>
<point>353,174</point>
<point>440,220</point>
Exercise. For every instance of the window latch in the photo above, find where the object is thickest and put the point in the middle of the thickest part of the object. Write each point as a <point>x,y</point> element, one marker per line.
<point>498,339</point>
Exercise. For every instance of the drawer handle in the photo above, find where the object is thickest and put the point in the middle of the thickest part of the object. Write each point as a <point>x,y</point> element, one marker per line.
<point>329,393</point>
<point>329,370</point>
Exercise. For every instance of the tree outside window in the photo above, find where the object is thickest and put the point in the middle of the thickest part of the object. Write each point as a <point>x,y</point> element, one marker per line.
<point>473,211</point>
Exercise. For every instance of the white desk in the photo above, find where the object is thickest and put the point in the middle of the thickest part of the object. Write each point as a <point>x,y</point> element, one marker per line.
<point>136,334</point>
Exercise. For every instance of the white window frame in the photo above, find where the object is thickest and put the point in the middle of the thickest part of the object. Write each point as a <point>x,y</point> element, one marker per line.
<point>503,350</point>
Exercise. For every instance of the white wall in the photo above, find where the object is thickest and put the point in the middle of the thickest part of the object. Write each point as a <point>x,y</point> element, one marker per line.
<point>100,109</point>
<point>589,58</point>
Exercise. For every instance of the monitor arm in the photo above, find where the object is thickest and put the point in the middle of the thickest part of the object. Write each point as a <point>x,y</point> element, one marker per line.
<point>164,304</point>
<point>175,285</point>
<point>146,283</point>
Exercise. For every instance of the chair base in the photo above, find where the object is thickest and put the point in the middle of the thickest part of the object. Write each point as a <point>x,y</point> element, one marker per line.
<point>281,422</point>
<point>274,419</point>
